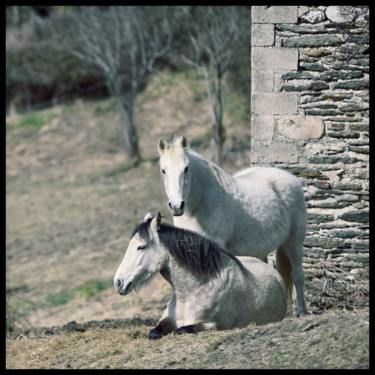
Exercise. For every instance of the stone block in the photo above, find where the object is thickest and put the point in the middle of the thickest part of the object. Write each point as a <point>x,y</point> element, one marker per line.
<point>274,58</point>
<point>270,152</point>
<point>301,128</point>
<point>283,103</point>
<point>274,14</point>
<point>314,41</point>
<point>262,127</point>
<point>262,34</point>
<point>262,80</point>
<point>340,14</point>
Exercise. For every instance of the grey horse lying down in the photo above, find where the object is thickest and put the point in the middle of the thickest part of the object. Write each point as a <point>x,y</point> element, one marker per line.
<point>212,288</point>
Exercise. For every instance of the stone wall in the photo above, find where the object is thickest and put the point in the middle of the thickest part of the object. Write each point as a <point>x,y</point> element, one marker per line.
<point>310,115</point>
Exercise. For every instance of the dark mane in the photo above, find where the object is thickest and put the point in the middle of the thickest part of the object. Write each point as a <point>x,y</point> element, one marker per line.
<point>192,251</point>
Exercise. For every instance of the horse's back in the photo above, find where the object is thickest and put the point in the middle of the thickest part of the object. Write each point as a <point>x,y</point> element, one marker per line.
<point>276,177</point>
<point>260,270</point>
<point>274,183</point>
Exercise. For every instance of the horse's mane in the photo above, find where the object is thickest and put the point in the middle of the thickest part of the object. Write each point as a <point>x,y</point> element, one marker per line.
<point>222,177</point>
<point>196,253</point>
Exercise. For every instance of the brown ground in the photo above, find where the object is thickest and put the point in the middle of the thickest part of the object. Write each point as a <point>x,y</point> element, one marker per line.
<point>72,201</point>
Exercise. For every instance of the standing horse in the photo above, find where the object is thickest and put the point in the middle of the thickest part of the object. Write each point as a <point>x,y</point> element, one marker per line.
<point>250,213</point>
<point>212,288</point>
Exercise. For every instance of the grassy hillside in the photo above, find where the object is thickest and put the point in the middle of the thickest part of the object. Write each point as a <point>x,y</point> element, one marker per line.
<point>73,198</point>
<point>72,201</point>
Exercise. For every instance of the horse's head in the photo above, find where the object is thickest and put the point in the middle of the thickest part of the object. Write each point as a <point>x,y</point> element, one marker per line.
<point>143,257</point>
<point>174,164</point>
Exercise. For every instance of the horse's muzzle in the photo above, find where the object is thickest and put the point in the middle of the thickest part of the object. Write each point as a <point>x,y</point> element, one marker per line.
<point>177,210</point>
<point>119,285</point>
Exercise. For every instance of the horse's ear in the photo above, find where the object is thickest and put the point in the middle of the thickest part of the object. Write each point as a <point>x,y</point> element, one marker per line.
<point>147,217</point>
<point>155,223</point>
<point>184,142</point>
<point>161,146</point>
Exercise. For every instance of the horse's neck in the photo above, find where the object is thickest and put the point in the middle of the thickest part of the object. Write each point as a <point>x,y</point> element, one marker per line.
<point>207,175</point>
<point>180,279</point>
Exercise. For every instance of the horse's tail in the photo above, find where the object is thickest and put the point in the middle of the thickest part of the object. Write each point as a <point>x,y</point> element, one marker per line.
<point>284,267</point>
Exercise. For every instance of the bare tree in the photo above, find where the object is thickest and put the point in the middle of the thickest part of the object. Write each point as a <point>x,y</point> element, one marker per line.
<point>216,35</point>
<point>123,42</point>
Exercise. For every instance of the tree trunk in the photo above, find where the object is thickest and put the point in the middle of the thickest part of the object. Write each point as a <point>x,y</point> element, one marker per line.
<point>128,129</point>
<point>218,129</point>
<point>126,103</point>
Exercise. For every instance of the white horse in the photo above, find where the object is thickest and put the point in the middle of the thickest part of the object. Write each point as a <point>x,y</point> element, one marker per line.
<point>212,288</point>
<point>250,213</point>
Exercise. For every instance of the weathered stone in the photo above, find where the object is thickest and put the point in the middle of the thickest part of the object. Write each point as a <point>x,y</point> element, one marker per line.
<point>326,105</point>
<point>324,242</point>
<point>262,127</point>
<point>344,134</point>
<point>334,97</point>
<point>322,160</point>
<point>263,34</point>
<point>319,86</point>
<point>349,233</point>
<point>347,186</point>
<point>344,119</point>
<point>356,216</point>
<point>321,112</point>
<point>340,14</point>
<point>352,107</point>
<point>297,88</point>
<point>319,218</point>
<point>274,58</point>
<point>298,75</point>
<point>360,150</point>
<point>300,127</point>
<point>318,52</point>
<point>335,75</point>
<point>333,169</point>
<point>274,103</point>
<point>305,172</point>
<point>266,152</point>
<point>301,29</point>
<point>352,85</point>
<point>274,14</point>
<point>312,41</point>
<point>358,245</point>
<point>314,16</point>
<point>317,67</point>
<point>262,80</point>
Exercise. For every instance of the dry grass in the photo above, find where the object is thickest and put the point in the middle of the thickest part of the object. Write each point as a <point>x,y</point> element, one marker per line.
<point>72,201</point>
<point>287,344</point>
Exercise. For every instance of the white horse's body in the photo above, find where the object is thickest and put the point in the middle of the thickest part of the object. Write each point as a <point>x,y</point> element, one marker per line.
<point>230,295</point>
<point>251,213</point>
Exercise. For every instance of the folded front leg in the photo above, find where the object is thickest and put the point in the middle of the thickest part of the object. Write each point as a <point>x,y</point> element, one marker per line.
<point>164,327</point>
<point>194,328</point>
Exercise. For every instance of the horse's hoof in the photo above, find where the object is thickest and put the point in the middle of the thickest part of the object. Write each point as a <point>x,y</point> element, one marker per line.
<point>186,329</point>
<point>153,335</point>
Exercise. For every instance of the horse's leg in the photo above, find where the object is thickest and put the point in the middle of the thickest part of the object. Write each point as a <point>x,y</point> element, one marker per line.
<point>289,257</point>
<point>284,267</point>
<point>191,328</point>
<point>194,328</point>
<point>164,327</point>
<point>299,281</point>
<point>165,324</point>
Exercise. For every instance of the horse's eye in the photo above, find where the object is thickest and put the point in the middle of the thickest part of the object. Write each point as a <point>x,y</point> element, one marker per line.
<point>141,247</point>
<point>163,171</point>
<point>186,169</point>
